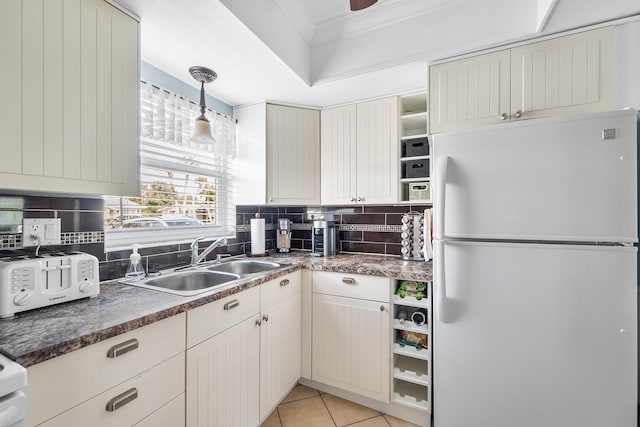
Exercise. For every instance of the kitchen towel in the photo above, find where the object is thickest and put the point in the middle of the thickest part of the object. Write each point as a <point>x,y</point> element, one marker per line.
<point>428,249</point>
<point>257,236</point>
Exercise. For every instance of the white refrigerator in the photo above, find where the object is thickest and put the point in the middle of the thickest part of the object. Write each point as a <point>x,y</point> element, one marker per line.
<point>535,273</point>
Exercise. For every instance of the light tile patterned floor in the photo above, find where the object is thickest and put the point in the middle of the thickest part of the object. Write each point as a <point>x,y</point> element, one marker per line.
<point>306,407</point>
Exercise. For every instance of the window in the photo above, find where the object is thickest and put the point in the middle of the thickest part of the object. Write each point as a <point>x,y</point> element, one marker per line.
<point>184,192</point>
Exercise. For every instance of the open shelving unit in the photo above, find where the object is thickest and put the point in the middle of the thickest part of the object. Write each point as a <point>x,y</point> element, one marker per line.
<point>415,159</point>
<point>411,373</point>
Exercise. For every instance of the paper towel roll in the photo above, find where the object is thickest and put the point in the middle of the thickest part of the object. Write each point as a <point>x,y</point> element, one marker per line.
<point>257,236</point>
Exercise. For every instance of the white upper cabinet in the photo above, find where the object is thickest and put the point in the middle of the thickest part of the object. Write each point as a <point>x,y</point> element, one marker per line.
<point>338,151</point>
<point>469,92</point>
<point>565,75</point>
<point>278,158</point>
<point>360,153</point>
<point>293,155</point>
<point>70,84</point>
<point>569,74</point>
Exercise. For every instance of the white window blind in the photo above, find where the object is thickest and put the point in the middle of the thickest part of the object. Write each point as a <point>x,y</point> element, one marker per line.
<point>185,192</point>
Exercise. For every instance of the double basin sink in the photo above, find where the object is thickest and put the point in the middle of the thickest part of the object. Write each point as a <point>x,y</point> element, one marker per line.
<point>199,279</point>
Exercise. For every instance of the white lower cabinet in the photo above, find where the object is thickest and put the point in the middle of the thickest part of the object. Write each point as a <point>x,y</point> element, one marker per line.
<point>116,382</point>
<point>222,378</point>
<point>351,333</point>
<point>244,354</point>
<point>280,332</point>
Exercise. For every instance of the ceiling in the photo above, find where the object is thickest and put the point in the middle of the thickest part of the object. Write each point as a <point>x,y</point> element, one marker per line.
<point>319,53</point>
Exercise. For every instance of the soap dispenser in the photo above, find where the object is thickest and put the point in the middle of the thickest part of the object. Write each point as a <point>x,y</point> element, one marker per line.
<point>135,270</point>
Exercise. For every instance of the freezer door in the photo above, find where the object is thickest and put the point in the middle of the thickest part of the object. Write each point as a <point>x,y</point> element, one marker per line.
<point>553,179</point>
<point>538,335</point>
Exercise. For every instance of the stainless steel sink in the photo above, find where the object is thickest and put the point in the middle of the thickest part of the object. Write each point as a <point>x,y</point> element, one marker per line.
<point>186,283</point>
<point>244,267</point>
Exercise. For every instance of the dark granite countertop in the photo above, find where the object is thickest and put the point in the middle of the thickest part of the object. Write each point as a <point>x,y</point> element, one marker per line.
<point>33,337</point>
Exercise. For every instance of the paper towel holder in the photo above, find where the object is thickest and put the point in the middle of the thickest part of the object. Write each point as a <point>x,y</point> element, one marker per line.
<point>258,237</point>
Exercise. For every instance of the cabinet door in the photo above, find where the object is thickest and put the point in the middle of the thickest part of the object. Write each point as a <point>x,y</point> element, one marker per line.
<point>469,92</point>
<point>566,75</point>
<point>222,377</point>
<point>293,155</point>
<point>377,151</point>
<point>351,345</point>
<point>279,352</point>
<point>70,85</point>
<point>338,153</point>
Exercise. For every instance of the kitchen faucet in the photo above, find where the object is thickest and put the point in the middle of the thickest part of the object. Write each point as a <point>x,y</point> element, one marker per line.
<point>195,258</point>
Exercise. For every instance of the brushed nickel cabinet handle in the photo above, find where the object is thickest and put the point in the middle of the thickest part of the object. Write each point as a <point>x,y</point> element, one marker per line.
<point>122,348</point>
<point>265,317</point>
<point>284,282</point>
<point>382,308</point>
<point>231,304</point>
<point>503,116</point>
<point>258,322</point>
<point>360,199</point>
<point>518,114</point>
<point>122,399</point>
<point>349,280</point>
<point>353,199</point>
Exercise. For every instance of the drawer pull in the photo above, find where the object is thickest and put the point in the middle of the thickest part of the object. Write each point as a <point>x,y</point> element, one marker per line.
<point>231,304</point>
<point>284,282</point>
<point>349,280</point>
<point>122,348</point>
<point>122,399</point>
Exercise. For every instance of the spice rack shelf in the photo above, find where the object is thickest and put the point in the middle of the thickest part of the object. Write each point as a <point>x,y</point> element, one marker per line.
<point>411,373</point>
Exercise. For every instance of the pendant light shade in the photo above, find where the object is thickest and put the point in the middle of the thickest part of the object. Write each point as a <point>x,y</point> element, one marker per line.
<point>361,4</point>
<point>201,137</point>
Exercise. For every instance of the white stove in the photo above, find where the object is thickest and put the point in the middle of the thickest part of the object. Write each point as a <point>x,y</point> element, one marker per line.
<point>13,378</point>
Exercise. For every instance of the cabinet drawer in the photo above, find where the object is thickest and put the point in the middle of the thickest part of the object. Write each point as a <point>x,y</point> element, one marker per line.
<point>280,289</point>
<point>351,285</point>
<point>211,319</point>
<point>62,383</point>
<point>170,415</point>
<point>131,401</point>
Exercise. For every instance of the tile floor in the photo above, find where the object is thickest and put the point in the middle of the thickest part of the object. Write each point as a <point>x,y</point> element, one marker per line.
<point>307,407</point>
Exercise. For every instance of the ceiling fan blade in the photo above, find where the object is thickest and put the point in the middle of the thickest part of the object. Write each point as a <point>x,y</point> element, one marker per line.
<point>361,4</point>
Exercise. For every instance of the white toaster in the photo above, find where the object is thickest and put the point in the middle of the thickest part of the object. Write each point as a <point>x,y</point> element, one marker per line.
<point>33,282</point>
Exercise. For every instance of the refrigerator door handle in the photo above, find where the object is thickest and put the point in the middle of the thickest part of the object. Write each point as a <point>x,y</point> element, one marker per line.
<point>441,185</point>
<point>440,283</point>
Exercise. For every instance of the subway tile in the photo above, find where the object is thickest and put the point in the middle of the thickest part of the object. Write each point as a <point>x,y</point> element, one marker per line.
<point>387,209</point>
<point>242,209</point>
<point>351,236</point>
<point>294,217</point>
<point>393,249</point>
<point>374,236</point>
<point>11,202</point>
<point>110,270</point>
<point>169,260</point>
<point>297,244</point>
<point>343,210</point>
<point>363,219</point>
<point>295,209</point>
<point>300,234</point>
<point>374,248</point>
<point>81,221</point>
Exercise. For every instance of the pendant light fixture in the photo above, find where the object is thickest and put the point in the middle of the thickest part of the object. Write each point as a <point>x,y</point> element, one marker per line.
<point>201,137</point>
<point>361,4</point>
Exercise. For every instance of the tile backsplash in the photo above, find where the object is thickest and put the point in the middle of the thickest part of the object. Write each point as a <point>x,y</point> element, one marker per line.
<point>363,229</point>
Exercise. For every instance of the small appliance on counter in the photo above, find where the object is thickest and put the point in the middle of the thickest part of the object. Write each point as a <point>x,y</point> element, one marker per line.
<point>325,238</point>
<point>28,282</point>
<point>283,240</point>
